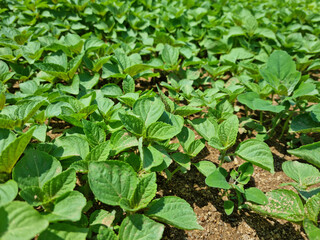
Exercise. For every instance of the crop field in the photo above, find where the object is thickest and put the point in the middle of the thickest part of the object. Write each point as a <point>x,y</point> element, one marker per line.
<point>159,119</point>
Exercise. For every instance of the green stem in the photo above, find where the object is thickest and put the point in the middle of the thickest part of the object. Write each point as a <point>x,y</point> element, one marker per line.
<point>286,124</point>
<point>223,154</point>
<point>275,123</point>
<point>261,118</point>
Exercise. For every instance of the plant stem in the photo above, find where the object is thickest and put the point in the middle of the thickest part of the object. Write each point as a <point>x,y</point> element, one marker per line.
<point>261,118</point>
<point>223,154</point>
<point>286,124</point>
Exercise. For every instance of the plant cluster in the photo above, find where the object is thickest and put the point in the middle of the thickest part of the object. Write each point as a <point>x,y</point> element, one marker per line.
<point>97,98</point>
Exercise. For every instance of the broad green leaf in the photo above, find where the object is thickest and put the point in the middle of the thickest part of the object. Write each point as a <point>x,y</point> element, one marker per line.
<point>304,174</point>
<point>217,179</point>
<point>145,191</point>
<point>256,152</point>
<point>64,231</point>
<point>122,140</point>
<point>35,168</point>
<point>8,192</point>
<point>106,234</point>
<point>281,71</point>
<point>174,211</point>
<point>101,218</point>
<point>21,220</point>
<point>95,134</point>
<point>10,155</point>
<point>185,111</point>
<point>170,55</point>
<point>110,181</point>
<point>149,109</point>
<point>161,131</point>
<point>228,131</point>
<point>304,123</point>
<point>312,207</point>
<point>6,137</point>
<point>182,159</point>
<point>60,184</point>
<point>128,84</point>
<point>227,134</point>
<point>132,123</point>
<point>311,229</point>
<point>255,195</point>
<point>99,152</point>
<point>138,226</point>
<point>207,128</point>
<point>228,207</point>
<point>253,101</point>
<point>69,146</point>
<point>111,90</point>
<point>68,207</point>
<point>205,167</point>
<point>33,195</point>
<point>283,204</point>
<point>309,152</point>
<point>150,156</point>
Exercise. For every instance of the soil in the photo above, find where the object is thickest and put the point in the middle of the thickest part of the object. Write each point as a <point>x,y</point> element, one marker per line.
<point>208,204</point>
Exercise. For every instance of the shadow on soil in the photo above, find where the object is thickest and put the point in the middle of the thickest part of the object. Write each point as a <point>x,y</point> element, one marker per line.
<point>192,188</point>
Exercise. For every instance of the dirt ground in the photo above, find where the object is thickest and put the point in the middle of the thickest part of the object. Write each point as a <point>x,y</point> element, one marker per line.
<point>208,205</point>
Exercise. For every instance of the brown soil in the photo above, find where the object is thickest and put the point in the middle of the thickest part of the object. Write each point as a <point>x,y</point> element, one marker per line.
<point>208,205</point>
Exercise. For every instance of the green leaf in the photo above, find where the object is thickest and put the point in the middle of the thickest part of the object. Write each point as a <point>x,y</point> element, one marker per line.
<point>106,234</point>
<point>60,184</point>
<point>170,55</point>
<point>182,159</point>
<point>253,101</point>
<point>132,123</point>
<point>101,218</point>
<point>100,152</point>
<point>110,181</point>
<point>20,221</point>
<point>145,192</point>
<point>174,211</point>
<point>256,152</point>
<point>304,123</point>
<point>312,207</point>
<point>205,167</point>
<point>309,152</point>
<point>185,111</point>
<point>283,204</point>
<point>8,192</point>
<point>311,229</point>
<point>68,207</point>
<point>64,231</point>
<point>122,140</point>
<point>138,226</point>
<point>149,109</point>
<point>227,134</point>
<point>228,207</point>
<point>69,146</point>
<point>33,195</point>
<point>95,134</point>
<point>217,179</point>
<point>10,155</point>
<point>281,71</point>
<point>255,195</point>
<point>161,131</point>
<point>151,157</point>
<point>206,127</point>
<point>35,169</point>
<point>111,90</point>
<point>304,174</point>
<point>128,85</point>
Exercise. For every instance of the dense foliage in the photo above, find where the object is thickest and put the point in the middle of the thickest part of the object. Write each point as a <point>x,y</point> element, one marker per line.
<point>99,97</point>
